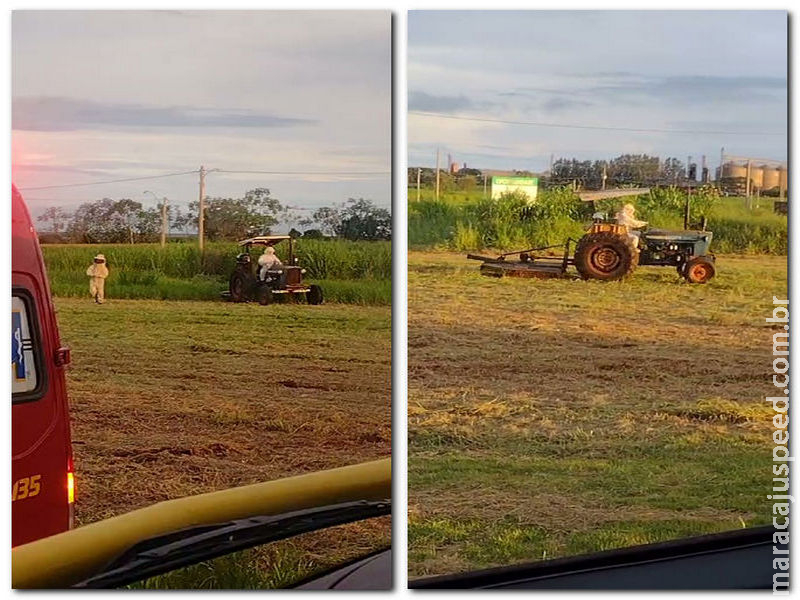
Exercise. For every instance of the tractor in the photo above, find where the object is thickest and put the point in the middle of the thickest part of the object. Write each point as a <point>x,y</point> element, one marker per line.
<point>608,251</point>
<point>246,283</point>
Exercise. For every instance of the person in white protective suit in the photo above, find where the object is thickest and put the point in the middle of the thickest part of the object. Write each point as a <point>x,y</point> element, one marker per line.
<point>267,262</point>
<point>627,217</point>
<point>97,273</point>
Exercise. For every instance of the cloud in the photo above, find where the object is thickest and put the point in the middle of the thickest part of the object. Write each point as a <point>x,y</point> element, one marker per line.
<point>44,113</point>
<point>692,88</point>
<point>433,103</point>
<point>562,103</point>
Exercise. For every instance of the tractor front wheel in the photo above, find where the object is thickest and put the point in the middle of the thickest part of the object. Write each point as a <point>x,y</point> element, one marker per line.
<point>699,270</point>
<point>264,295</point>
<point>314,294</point>
<point>606,256</point>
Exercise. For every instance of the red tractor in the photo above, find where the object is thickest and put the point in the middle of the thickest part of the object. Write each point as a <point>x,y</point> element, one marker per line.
<point>248,282</point>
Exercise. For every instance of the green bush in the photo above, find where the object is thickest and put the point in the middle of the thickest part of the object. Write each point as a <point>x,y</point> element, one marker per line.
<point>470,222</point>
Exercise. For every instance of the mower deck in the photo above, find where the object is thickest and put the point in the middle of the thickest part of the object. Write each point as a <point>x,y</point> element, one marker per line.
<point>529,265</point>
<point>539,268</point>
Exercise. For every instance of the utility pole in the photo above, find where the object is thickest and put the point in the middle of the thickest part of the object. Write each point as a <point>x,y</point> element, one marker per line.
<point>605,176</point>
<point>721,161</point>
<point>437,173</point>
<point>484,185</point>
<point>419,176</point>
<point>202,207</point>
<point>164,222</point>
<point>747,185</point>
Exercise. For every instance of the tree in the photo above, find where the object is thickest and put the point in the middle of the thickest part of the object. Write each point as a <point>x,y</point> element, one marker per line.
<point>362,220</point>
<point>106,221</point>
<point>673,170</point>
<point>57,217</point>
<point>237,218</point>
<point>329,218</point>
<point>357,219</point>
<point>313,234</point>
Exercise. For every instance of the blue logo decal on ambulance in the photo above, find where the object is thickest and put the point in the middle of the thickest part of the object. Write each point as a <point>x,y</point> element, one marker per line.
<point>17,356</point>
<point>23,353</point>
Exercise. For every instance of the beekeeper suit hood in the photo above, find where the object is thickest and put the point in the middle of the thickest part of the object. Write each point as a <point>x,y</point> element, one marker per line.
<point>627,217</point>
<point>267,261</point>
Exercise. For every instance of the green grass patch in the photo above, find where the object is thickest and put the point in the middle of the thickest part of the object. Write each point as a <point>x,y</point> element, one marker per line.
<point>246,570</point>
<point>349,272</point>
<point>512,540</point>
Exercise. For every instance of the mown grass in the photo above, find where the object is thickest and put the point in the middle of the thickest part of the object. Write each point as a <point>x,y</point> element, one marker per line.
<point>467,221</point>
<point>349,272</point>
<point>554,417</point>
<point>171,399</point>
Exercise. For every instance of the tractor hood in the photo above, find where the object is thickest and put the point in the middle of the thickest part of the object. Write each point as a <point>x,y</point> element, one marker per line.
<point>678,236</point>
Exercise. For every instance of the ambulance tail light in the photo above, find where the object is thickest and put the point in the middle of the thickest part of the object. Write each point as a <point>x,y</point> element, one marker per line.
<point>71,491</point>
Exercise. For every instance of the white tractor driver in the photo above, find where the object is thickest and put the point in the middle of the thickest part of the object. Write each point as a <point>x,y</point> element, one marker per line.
<point>627,217</point>
<point>268,261</point>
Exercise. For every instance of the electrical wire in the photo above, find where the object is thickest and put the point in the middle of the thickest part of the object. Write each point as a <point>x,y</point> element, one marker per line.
<point>596,127</point>
<point>308,172</point>
<point>89,183</point>
<point>69,185</point>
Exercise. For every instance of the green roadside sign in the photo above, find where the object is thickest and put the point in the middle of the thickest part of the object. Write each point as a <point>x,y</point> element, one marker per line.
<point>505,183</point>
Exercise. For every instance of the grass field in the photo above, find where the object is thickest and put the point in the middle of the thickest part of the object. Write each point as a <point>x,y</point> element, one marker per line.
<point>555,417</point>
<point>349,272</point>
<point>170,399</point>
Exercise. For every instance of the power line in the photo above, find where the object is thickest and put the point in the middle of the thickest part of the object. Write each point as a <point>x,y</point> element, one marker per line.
<point>596,127</point>
<point>308,172</point>
<point>128,179</point>
<point>69,185</point>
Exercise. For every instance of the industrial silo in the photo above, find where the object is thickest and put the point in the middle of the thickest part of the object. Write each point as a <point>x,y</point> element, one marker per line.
<point>783,178</point>
<point>734,171</point>
<point>772,178</point>
<point>757,177</point>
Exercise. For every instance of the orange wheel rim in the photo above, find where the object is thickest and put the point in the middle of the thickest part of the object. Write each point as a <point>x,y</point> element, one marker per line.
<point>605,259</point>
<point>699,272</point>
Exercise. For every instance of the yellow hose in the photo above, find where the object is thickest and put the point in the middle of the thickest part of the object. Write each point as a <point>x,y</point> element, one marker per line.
<point>70,557</point>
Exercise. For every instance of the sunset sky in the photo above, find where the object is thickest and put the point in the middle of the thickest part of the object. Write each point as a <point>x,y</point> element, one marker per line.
<point>111,95</point>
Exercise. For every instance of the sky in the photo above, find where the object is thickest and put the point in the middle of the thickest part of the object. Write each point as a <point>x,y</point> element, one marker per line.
<point>688,72</point>
<point>107,95</point>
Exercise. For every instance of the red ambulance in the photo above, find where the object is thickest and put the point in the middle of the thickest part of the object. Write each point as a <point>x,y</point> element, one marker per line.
<point>43,486</point>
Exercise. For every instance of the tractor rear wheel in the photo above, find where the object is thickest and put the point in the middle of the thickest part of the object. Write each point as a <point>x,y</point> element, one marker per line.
<point>606,256</point>
<point>699,270</point>
<point>314,294</point>
<point>237,286</point>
